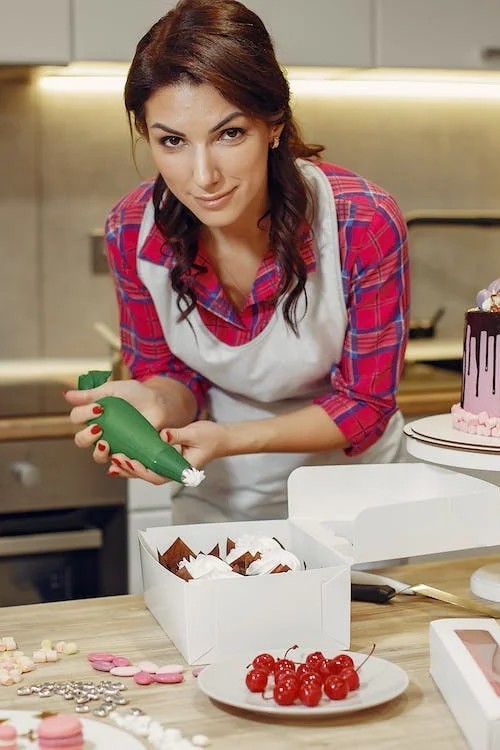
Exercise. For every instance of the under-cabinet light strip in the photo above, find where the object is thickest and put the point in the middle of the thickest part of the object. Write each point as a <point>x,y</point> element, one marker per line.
<point>401,88</point>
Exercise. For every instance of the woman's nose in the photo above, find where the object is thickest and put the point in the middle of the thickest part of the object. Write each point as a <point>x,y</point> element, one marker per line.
<point>205,169</point>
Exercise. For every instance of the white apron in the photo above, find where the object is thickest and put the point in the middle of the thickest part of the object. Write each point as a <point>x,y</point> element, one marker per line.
<point>275,373</point>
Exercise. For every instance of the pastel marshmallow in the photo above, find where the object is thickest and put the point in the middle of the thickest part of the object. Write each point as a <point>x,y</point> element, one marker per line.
<point>70,648</point>
<point>121,661</point>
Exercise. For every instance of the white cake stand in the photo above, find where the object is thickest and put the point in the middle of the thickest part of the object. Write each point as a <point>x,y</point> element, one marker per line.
<point>420,443</point>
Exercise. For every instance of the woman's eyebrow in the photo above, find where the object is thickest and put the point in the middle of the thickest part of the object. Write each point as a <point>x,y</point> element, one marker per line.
<point>172,131</point>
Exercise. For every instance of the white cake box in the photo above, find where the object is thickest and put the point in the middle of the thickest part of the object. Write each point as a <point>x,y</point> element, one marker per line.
<point>465,664</point>
<point>338,515</point>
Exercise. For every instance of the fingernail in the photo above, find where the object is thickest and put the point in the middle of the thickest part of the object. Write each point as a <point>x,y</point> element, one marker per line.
<point>95,429</point>
<point>101,446</point>
<point>113,474</point>
<point>168,435</point>
<point>116,462</point>
<point>130,465</point>
<point>97,409</point>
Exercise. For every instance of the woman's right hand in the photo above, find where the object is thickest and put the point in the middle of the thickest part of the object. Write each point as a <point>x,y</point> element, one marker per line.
<point>146,400</point>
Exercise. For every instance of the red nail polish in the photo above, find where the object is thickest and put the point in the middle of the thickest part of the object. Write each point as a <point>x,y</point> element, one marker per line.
<point>113,474</point>
<point>168,435</point>
<point>130,465</point>
<point>101,447</point>
<point>115,461</point>
<point>95,429</point>
<point>97,409</point>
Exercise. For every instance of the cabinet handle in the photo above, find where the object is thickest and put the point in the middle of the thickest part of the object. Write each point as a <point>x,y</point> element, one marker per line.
<point>43,544</point>
<point>491,54</point>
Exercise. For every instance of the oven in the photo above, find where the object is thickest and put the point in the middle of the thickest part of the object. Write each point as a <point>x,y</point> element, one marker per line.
<point>63,521</point>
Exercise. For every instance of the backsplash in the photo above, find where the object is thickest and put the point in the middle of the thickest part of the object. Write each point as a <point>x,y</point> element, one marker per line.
<point>66,158</point>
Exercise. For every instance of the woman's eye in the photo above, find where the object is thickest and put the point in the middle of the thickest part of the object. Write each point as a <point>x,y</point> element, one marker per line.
<point>171,141</point>
<point>231,134</point>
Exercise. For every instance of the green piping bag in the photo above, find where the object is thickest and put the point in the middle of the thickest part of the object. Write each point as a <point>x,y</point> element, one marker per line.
<point>127,431</point>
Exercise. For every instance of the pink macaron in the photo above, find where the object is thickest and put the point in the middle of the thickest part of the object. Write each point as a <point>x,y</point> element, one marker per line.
<point>61,732</point>
<point>8,737</point>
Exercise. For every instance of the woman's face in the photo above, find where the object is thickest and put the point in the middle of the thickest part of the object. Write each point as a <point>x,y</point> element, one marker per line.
<point>212,156</point>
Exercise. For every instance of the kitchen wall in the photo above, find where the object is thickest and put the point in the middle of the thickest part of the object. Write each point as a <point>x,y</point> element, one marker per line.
<point>66,157</point>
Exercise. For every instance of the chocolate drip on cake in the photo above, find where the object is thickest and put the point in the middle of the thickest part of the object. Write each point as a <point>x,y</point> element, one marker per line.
<point>482,329</point>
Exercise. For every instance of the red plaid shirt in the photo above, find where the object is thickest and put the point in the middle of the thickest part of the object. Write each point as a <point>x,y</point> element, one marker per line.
<point>374,259</point>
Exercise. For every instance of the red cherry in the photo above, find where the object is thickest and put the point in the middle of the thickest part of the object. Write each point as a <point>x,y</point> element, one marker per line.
<point>315,658</point>
<point>310,694</point>
<point>264,661</point>
<point>313,678</point>
<point>285,693</point>
<point>256,680</point>
<point>336,688</point>
<point>345,660</point>
<point>323,667</point>
<point>351,677</point>
<point>284,664</point>
<point>284,675</point>
<point>304,669</point>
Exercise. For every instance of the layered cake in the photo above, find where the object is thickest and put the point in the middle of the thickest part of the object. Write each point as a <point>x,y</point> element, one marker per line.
<point>479,409</point>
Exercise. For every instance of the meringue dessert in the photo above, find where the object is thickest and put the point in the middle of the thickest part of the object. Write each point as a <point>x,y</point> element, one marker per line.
<point>248,555</point>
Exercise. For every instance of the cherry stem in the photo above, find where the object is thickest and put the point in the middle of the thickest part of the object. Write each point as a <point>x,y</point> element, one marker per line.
<point>290,649</point>
<point>366,659</point>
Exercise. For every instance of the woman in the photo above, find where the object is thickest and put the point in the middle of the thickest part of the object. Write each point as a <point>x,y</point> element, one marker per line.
<point>263,295</point>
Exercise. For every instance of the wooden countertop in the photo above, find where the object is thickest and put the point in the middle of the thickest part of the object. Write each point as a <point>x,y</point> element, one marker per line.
<point>419,718</point>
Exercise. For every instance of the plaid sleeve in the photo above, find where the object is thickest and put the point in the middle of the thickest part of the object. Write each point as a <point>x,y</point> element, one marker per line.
<point>144,349</point>
<point>376,285</point>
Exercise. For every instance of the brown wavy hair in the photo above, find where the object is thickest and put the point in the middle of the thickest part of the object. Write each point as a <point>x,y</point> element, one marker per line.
<point>221,43</point>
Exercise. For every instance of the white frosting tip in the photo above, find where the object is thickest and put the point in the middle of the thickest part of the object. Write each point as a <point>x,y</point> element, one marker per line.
<point>192,477</point>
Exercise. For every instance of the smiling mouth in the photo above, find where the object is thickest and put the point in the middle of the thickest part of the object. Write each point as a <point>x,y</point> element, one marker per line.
<point>213,199</point>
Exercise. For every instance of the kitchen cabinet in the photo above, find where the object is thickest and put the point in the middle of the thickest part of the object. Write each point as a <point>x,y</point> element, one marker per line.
<point>456,34</point>
<point>320,32</point>
<point>109,31</point>
<point>35,32</point>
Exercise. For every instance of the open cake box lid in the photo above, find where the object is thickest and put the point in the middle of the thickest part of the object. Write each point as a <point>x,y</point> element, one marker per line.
<point>372,512</point>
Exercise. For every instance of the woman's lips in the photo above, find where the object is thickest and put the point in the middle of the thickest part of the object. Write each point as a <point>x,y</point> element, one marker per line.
<point>216,201</point>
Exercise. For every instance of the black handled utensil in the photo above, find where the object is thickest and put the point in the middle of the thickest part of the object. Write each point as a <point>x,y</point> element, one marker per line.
<point>378,594</point>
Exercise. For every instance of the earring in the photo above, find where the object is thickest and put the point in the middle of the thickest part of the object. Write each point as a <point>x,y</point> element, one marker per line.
<point>276,142</point>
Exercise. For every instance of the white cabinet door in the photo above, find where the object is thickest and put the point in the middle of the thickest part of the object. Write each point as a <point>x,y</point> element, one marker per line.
<point>109,30</point>
<point>319,32</point>
<point>438,33</point>
<point>34,32</point>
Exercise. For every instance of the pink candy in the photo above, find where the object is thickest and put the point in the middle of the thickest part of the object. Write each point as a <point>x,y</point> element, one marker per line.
<point>143,678</point>
<point>169,678</point>
<point>100,656</point>
<point>124,671</point>
<point>144,672</point>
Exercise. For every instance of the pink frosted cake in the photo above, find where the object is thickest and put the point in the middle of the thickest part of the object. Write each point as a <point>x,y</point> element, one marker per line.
<point>479,409</point>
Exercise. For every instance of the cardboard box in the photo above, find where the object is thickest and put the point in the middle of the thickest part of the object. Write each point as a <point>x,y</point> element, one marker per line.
<point>465,664</point>
<point>338,515</point>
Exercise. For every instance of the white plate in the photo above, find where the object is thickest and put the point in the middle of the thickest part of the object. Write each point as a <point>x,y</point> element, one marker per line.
<point>380,681</point>
<point>439,429</point>
<point>97,735</point>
